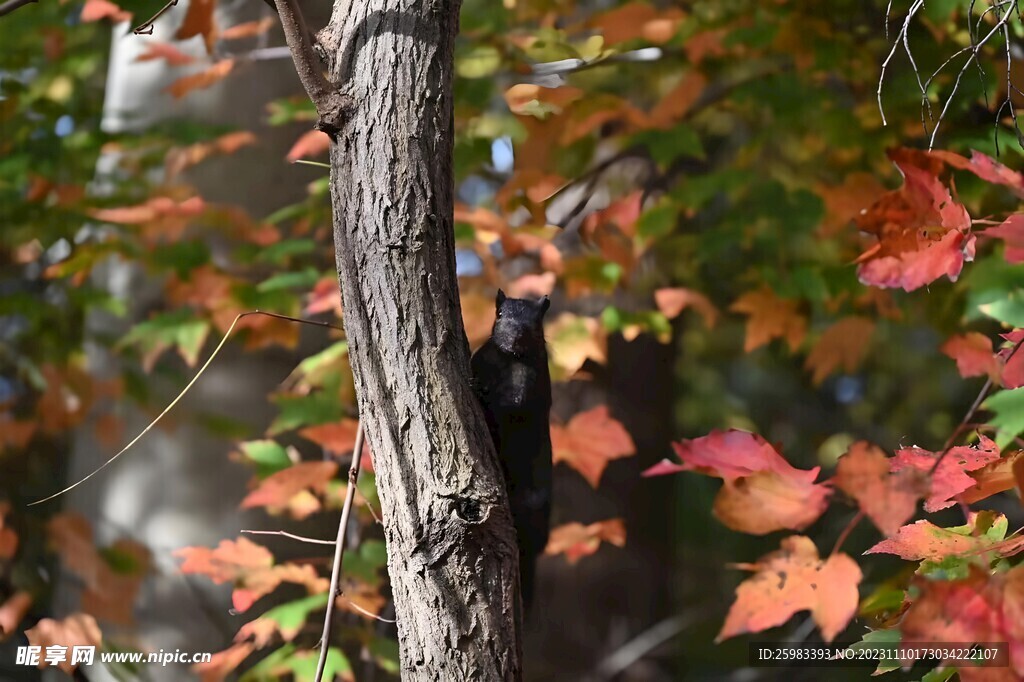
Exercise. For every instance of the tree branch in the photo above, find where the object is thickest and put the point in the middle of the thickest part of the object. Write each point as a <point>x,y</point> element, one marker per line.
<point>339,551</point>
<point>293,536</point>
<point>331,105</point>
<point>12,5</point>
<point>146,28</point>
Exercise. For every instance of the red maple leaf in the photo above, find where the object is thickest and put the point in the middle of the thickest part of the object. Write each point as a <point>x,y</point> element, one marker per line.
<point>762,491</point>
<point>576,540</point>
<point>994,477</point>
<point>1013,368</point>
<point>1012,232</point>
<point>986,168</point>
<point>973,354</point>
<point>923,233</point>
<point>950,478</point>
<point>980,608</point>
<point>589,441</point>
<point>793,579</point>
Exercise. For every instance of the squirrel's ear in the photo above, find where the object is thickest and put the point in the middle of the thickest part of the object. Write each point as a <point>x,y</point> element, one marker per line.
<point>500,298</point>
<point>545,303</point>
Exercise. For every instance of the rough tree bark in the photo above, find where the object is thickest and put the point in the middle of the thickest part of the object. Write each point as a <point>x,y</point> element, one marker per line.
<point>451,547</point>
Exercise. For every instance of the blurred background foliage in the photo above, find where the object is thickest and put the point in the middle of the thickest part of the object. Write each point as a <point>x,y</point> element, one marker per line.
<point>715,152</point>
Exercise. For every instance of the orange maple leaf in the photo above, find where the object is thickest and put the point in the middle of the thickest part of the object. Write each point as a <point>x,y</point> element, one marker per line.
<point>589,441</point>
<point>13,611</point>
<point>166,51</point>
<point>771,317</point>
<point>248,29</point>
<point>107,593</point>
<point>224,664</point>
<point>637,20</point>
<point>767,501</point>
<point>95,10</point>
<point>672,301</point>
<point>336,437</point>
<point>576,540</point>
<point>888,499</point>
<point>985,167</point>
<point>995,477</point>
<point>227,561</point>
<point>78,629</point>
<point>762,491</point>
<point>202,79</point>
<point>793,579</point>
<point>478,313</point>
<point>180,158</point>
<point>15,433</point>
<point>312,143</point>
<point>250,567</point>
<point>924,540</point>
<point>324,298</point>
<point>200,20</point>
<point>277,491</point>
<point>973,354</point>
<point>844,344</point>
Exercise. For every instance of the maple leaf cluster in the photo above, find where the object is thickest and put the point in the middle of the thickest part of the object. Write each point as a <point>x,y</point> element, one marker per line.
<point>763,493</point>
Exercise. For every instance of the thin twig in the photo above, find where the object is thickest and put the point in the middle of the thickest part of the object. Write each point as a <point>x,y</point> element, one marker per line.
<point>846,531</point>
<point>293,536</point>
<point>962,426</point>
<point>146,28</point>
<point>1003,10</point>
<point>363,611</point>
<point>369,506</point>
<point>12,5</point>
<point>185,390</point>
<point>892,53</point>
<point>339,551</point>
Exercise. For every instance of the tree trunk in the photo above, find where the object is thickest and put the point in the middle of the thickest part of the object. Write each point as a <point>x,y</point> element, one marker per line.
<point>451,548</point>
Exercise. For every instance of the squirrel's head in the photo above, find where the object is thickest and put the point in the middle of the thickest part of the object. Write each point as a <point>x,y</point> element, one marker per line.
<point>519,325</point>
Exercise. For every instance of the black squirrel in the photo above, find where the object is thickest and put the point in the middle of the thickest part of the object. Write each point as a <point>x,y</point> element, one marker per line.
<point>513,384</point>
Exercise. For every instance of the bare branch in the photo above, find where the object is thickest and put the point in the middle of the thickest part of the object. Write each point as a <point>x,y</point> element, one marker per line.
<point>12,5</point>
<point>1002,10</point>
<point>181,395</point>
<point>331,105</point>
<point>339,549</point>
<point>895,46</point>
<point>847,530</point>
<point>293,536</point>
<point>146,28</point>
